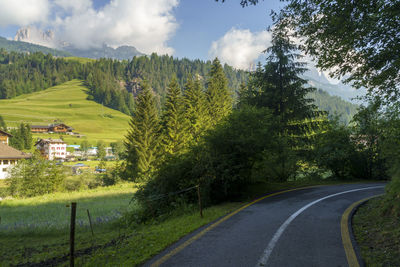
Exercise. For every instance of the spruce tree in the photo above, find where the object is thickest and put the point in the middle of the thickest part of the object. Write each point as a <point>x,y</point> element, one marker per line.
<point>219,97</point>
<point>279,87</point>
<point>196,109</point>
<point>143,139</point>
<point>3,125</point>
<point>27,137</point>
<point>175,124</point>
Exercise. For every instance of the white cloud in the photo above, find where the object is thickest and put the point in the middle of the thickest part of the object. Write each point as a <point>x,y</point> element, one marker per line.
<point>147,25</point>
<point>23,12</point>
<point>240,48</point>
<point>74,5</point>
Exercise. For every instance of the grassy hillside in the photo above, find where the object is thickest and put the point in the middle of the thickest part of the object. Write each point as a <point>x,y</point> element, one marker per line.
<point>82,60</point>
<point>67,103</point>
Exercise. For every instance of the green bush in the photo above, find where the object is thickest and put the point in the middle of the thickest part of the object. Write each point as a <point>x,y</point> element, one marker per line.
<point>222,164</point>
<point>113,175</point>
<point>35,176</point>
<point>83,181</point>
<point>391,200</point>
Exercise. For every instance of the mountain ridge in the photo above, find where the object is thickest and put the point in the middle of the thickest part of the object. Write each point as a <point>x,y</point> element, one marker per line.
<point>48,39</point>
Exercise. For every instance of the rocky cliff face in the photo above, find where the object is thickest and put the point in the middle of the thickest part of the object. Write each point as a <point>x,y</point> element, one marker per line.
<point>33,35</point>
<point>47,38</point>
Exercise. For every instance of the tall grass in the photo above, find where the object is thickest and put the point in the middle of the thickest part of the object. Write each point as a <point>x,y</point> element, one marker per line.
<point>50,212</point>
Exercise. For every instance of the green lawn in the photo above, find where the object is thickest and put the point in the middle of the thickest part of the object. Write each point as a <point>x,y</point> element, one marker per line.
<point>66,102</point>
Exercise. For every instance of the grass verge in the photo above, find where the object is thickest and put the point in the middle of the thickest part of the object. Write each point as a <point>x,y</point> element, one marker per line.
<point>377,235</point>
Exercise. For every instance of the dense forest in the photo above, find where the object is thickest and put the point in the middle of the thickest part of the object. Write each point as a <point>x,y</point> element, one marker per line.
<point>115,83</point>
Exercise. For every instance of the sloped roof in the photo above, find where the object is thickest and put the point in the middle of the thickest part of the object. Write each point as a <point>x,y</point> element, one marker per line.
<point>50,141</point>
<point>5,133</point>
<point>7,152</point>
<point>40,126</point>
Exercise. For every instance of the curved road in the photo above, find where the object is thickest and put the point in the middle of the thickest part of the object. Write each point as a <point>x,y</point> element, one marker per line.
<point>297,228</point>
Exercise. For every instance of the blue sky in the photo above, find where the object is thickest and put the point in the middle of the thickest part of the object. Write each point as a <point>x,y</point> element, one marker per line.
<point>186,28</point>
<point>202,22</point>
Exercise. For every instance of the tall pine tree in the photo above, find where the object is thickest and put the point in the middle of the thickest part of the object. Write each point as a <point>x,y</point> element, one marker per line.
<point>143,139</point>
<point>175,124</point>
<point>196,109</point>
<point>279,87</point>
<point>219,97</point>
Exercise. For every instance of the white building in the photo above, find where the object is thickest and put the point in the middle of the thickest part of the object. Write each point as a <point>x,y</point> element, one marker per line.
<point>92,151</point>
<point>52,148</point>
<point>9,156</point>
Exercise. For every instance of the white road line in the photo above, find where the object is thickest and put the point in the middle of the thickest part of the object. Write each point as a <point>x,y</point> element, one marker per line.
<point>267,252</point>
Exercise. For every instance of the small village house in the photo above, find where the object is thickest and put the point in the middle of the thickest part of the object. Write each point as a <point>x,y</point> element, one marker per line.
<point>4,137</point>
<point>52,148</point>
<point>52,128</point>
<point>9,156</point>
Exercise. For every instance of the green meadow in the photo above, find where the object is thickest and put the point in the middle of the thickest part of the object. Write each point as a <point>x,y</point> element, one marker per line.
<point>67,103</point>
<point>36,230</point>
<point>82,60</point>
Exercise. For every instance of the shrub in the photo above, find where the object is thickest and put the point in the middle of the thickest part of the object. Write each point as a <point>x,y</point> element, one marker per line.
<point>221,163</point>
<point>86,180</point>
<point>113,175</point>
<point>391,200</point>
<point>35,176</point>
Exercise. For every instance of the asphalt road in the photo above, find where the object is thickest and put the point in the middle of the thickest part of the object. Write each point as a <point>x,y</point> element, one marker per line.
<point>298,228</point>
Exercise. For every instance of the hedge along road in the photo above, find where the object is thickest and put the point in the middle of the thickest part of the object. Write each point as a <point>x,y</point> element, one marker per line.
<point>293,228</point>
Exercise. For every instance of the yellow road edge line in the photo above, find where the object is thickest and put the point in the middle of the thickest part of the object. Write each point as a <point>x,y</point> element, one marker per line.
<point>212,226</point>
<point>344,225</point>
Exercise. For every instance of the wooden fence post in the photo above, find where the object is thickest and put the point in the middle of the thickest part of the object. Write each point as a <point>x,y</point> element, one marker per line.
<point>90,222</point>
<point>72,234</point>
<point>200,204</point>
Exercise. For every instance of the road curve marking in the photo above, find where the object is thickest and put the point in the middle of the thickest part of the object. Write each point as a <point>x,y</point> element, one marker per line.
<point>212,226</point>
<point>267,252</point>
<point>344,225</point>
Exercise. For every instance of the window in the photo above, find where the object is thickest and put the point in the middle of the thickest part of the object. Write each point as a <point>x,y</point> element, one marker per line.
<point>1,162</point>
<point>5,162</point>
<point>12,161</point>
<point>4,169</point>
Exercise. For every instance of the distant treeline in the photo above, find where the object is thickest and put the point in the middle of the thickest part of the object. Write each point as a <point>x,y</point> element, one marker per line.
<point>115,83</point>
<point>334,105</point>
<point>157,70</point>
<point>111,82</point>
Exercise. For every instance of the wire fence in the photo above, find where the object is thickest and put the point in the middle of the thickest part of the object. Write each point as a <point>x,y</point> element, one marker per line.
<point>161,196</point>
<point>76,223</point>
